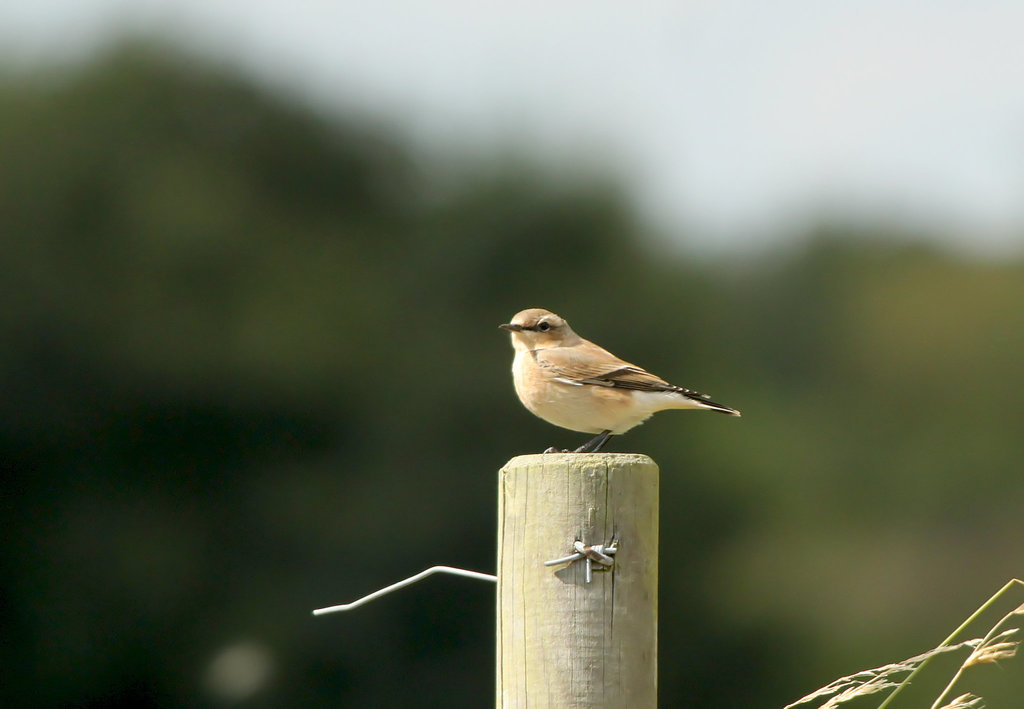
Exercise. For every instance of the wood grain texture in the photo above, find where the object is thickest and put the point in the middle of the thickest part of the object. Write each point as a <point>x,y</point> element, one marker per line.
<point>563,643</point>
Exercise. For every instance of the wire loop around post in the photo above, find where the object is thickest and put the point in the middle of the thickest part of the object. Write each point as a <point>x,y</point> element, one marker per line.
<point>593,554</point>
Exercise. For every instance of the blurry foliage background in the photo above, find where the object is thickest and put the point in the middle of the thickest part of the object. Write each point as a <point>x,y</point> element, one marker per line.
<point>251,367</point>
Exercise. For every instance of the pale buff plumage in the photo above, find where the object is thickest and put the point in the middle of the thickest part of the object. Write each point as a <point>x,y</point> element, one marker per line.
<point>571,382</point>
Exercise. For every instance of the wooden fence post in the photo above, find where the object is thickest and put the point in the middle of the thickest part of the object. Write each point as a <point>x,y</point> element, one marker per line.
<point>562,642</point>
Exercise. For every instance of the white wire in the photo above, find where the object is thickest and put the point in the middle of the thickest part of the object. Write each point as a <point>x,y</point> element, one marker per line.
<point>407,582</point>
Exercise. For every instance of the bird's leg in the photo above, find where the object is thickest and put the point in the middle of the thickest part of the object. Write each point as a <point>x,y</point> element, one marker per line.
<point>595,443</point>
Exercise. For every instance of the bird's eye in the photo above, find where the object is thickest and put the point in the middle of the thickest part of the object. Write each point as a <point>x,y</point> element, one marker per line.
<point>544,326</point>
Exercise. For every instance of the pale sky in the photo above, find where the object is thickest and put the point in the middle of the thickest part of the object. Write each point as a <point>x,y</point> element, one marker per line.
<point>734,122</point>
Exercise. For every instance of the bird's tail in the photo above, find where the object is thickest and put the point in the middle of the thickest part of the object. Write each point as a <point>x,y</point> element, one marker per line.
<point>703,401</point>
<point>712,406</point>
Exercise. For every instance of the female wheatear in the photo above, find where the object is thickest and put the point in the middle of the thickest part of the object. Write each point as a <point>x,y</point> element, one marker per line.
<point>573,383</point>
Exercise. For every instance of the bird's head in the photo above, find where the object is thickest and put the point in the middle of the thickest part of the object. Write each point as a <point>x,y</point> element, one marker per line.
<point>536,328</point>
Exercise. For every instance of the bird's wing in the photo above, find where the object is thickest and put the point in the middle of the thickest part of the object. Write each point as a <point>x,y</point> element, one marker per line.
<point>586,364</point>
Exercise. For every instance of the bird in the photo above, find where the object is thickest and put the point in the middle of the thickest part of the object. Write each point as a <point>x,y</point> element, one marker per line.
<point>572,383</point>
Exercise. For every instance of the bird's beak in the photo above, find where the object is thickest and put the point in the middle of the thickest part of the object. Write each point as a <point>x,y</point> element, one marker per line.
<point>511,327</point>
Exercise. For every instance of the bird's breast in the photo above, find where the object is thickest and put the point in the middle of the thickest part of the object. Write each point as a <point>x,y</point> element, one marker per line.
<point>577,407</point>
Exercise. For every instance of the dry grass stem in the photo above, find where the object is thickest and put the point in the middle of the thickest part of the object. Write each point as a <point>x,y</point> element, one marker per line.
<point>965,701</point>
<point>874,680</point>
<point>996,645</point>
<point>992,651</point>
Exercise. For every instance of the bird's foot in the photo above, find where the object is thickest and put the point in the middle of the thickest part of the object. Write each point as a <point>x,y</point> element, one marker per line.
<point>552,449</point>
<point>594,444</point>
